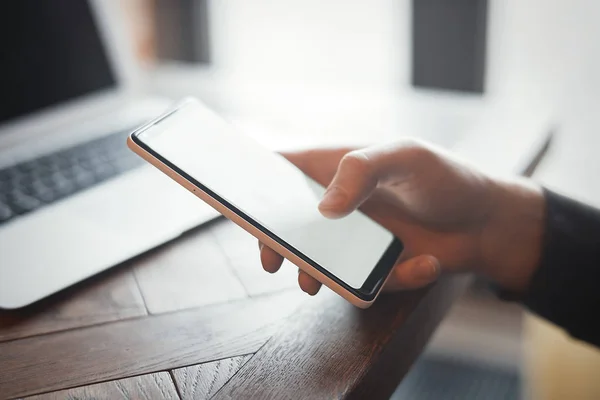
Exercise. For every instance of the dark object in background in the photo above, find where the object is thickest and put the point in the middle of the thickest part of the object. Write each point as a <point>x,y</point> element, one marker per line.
<point>436,377</point>
<point>50,53</point>
<point>449,44</point>
<point>182,30</point>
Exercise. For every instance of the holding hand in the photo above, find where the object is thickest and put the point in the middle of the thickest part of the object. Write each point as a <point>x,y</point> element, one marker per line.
<point>449,216</point>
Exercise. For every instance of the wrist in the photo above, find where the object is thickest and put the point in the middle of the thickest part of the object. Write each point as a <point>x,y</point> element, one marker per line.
<point>512,240</point>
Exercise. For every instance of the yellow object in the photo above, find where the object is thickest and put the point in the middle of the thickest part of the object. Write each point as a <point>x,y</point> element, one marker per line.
<point>558,367</point>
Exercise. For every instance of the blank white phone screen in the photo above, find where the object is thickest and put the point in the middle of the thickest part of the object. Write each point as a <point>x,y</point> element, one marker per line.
<point>269,189</point>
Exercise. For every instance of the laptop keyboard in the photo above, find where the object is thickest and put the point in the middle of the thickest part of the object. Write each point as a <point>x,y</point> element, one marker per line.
<point>27,186</point>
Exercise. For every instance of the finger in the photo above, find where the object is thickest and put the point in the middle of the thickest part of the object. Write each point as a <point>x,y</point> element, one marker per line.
<point>270,260</point>
<point>414,273</point>
<point>360,171</point>
<point>308,284</point>
<point>352,184</point>
<point>319,164</point>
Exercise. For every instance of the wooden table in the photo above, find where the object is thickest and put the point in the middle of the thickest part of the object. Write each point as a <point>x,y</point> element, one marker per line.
<point>198,318</point>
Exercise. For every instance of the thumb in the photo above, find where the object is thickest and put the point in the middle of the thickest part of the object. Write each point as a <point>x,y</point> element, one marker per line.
<point>414,273</point>
<point>352,184</point>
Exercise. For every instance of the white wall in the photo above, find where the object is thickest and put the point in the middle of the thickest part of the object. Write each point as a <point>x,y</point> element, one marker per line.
<point>336,42</point>
<point>536,48</point>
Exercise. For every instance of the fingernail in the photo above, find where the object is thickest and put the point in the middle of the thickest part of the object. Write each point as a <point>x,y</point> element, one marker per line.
<point>333,198</point>
<point>427,269</point>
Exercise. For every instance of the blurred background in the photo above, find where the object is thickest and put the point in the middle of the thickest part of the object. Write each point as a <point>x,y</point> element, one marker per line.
<point>281,53</point>
<point>312,73</point>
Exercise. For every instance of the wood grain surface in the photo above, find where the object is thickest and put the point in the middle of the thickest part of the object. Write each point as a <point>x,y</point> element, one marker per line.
<point>190,272</point>
<point>144,387</point>
<point>204,380</point>
<point>330,349</point>
<point>139,346</point>
<point>386,369</point>
<point>110,296</point>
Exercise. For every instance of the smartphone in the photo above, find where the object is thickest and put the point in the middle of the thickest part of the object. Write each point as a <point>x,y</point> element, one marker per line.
<point>270,198</point>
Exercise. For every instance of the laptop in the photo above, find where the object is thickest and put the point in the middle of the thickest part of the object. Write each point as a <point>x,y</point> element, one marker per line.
<point>74,200</point>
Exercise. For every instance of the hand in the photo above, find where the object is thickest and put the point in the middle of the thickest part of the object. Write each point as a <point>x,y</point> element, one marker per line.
<point>449,216</point>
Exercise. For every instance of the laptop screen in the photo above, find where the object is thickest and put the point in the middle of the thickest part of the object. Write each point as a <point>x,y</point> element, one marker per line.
<point>50,52</point>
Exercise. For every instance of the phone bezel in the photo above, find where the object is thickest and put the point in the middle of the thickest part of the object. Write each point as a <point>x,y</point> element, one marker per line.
<point>372,285</point>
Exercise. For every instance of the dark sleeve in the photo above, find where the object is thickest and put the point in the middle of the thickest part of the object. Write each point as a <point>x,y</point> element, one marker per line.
<point>565,289</point>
